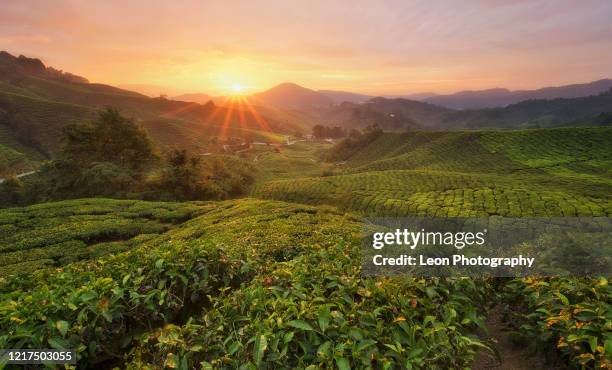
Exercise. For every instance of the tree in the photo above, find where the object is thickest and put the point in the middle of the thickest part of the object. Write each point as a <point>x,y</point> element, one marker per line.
<point>107,157</point>
<point>111,138</point>
<point>318,132</point>
<point>182,177</point>
<point>11,191</point>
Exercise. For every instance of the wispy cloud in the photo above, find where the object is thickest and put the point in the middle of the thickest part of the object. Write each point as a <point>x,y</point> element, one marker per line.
<point>391,47</point>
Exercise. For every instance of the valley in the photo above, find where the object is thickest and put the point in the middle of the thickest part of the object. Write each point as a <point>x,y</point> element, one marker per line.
<point>272,278</point>
<point>217,232</point>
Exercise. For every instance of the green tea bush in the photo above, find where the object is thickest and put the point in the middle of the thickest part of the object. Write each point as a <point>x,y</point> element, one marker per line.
<point>94,307</point>
<point>64,232</point>
<point>570,316</point>
<point>317,311</point>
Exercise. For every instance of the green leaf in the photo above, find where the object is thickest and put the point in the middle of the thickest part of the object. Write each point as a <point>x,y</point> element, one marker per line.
<point>62,326</point>
<point>431,292</point>
<point>608,347</point>
<point>342,363</point>
<point>324,349</point>
<point>59,343</point>
<point>562,298</point>
<point>261,343</point>
<point>233,348</point>
<point>365,344</point>
<point>288,337</point>
<point>324,318</point>
<point>593,344</point>
<point>428,319</point>
<point>300,324</point>
<point>107,316</point>
<point>87,296</point>
<point>415,352</point>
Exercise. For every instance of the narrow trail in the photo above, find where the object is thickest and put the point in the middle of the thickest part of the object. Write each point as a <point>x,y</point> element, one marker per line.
<point>511,356</point>
<point>20,175</point>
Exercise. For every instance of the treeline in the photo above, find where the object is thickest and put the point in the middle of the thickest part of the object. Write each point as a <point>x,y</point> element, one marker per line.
<point>355,141</point>
<point>114,157</point>
<point>328,132</point>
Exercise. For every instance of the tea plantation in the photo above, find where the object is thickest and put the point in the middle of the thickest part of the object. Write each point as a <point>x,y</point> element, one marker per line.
<point>273,280</point>
<point>562,172</point>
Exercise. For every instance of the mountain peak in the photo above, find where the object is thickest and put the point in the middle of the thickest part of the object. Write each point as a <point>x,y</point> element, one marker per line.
<point>293,96</point>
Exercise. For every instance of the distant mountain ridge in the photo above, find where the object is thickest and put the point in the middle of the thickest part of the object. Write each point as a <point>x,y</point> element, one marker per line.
<point>500,97</point>
<point>345,96</point>
<point>403,114</point>
<point>194,98</point>
<point>37,102</point>
<point>289,95</point>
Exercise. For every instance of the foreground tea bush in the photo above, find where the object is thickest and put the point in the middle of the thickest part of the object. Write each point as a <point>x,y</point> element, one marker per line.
<point>56,234</point>
<point>97,307</point>
<point>317,311</point>
<point>92,307</point>
<point>570,316</point>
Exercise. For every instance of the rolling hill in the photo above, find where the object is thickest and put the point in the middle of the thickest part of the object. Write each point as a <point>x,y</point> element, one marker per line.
<point>538,113</point>
<point>403,114</point>
<point>546,172</point>
<point>194,98</point>
<point>278,281</point>
<point>502,97</point>
<point>36,102</point>
<point>389,114</point>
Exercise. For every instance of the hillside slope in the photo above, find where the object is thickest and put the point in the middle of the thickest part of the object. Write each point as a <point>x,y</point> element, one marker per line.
<point>36,102</point>
<point>492,98</point>
<point>548,172</point>
<point>403,114</point>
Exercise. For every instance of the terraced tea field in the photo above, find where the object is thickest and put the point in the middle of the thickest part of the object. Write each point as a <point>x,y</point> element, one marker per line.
<point>268,283</point>
<point>54,235</point>
<point>274,280</point>
<point>467,173</point>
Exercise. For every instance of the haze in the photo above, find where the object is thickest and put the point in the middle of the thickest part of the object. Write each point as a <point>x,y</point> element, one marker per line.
<point>395,47</point>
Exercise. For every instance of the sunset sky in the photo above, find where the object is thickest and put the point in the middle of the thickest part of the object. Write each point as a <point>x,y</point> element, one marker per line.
<point>373,47</point>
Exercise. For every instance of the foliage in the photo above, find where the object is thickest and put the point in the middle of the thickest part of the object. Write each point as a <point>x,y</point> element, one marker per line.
<point>355,141</point>
<point>51,235</point>
<point>317,311</point>
<point>327,132</point>
<point>111,138</point>
<point>553,172</point>
<point>11,191</point>
<point>271,284</point>
<point>186,177</point>
<point>570,316</point>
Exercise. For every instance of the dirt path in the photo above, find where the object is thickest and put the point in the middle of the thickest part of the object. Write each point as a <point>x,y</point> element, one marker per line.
<point>20,175</point>
<point>511,356</point>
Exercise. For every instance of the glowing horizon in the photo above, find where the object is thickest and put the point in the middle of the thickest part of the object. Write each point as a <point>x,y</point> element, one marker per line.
<point>395,48</point>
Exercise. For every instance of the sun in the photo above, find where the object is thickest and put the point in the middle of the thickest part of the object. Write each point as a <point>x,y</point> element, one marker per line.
<point>236,88</point>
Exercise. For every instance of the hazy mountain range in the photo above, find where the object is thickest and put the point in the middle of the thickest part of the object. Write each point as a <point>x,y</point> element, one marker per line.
<point>502,97</point>
<point>37,101</point>
<point>292,96</point>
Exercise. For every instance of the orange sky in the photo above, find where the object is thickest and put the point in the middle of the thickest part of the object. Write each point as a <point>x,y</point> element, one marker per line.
<point>373,47</point>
